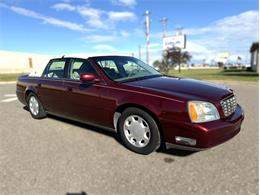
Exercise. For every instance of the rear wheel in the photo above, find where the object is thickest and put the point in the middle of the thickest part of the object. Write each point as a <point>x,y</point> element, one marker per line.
<point>139,131</point>
<point>35,107</point>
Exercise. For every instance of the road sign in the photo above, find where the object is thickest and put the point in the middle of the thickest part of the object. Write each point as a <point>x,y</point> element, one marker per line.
<point>178,41</point>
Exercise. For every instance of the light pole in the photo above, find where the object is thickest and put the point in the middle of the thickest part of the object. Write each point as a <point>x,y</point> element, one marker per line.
<point>147,34</point>
<point>179,33</point>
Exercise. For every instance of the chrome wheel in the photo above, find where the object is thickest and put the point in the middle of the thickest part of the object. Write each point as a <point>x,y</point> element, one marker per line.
<point>137,131</point>
<point>34,105</point>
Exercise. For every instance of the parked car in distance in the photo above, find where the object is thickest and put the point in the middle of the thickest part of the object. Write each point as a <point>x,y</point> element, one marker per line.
<point>123,94</point>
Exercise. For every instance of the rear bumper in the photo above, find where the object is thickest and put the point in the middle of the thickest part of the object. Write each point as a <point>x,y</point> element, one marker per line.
<point>207,135</point>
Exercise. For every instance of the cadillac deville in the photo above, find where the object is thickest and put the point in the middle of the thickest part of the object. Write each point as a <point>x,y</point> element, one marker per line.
<point>123,94</point>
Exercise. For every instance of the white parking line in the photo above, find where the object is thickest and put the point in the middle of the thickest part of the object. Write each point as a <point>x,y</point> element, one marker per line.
<point>10,95</point>
<point>10,99</point>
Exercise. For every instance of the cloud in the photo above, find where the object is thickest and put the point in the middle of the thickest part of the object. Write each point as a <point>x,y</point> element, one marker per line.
<point>240,25</point>
<point>97,18</point>
<point>234,31</point>
<point>63,6</point>
<point>46,19</point>
<point>124,33</point>
<point>128,3</point>
<point>121,16</point>
<point>92,16</point>
<point>194,47</point>
<point>155,45</point>
<point>100,38</point>
<point>105,47</point>
<point>115,36</point>
<point>25,12</point>
<point>233,34</point>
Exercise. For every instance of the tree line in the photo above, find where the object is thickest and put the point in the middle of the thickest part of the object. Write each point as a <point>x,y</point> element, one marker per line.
<point>171,58</point>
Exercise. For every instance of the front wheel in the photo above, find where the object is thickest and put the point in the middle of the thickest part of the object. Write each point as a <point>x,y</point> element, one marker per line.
<point>35,107</point>
<point>139,131</point>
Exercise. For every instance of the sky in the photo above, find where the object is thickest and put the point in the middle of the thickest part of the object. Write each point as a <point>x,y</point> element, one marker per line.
<point>99,27</point>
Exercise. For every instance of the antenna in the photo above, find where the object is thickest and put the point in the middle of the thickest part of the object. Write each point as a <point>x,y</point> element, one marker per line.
<point>164,21</point>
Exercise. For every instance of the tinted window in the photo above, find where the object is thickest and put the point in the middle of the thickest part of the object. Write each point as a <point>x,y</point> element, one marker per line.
<point>79,67</point>
<point>120,68</point>
<point>133,69</point>
<point>110,67</point>
<point>56,69</point>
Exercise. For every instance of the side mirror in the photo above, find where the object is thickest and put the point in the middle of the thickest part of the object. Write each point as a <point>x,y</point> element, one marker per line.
<point>88,77</point>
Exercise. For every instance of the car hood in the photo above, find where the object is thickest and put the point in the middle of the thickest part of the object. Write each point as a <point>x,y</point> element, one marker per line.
<point>184,88</point>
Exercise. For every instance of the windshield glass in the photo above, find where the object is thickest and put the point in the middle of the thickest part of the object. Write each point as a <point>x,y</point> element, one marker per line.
<point>120,68</point>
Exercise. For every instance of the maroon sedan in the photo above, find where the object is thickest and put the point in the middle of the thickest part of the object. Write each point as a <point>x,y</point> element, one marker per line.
<point>146,108</point>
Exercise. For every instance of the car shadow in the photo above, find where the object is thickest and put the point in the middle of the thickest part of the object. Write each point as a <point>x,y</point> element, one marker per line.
<point>175,152</point>
<point>162,149</point>
<point>76,193</point>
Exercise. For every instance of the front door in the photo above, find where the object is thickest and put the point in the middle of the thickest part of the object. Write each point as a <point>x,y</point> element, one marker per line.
<point>83,101</point>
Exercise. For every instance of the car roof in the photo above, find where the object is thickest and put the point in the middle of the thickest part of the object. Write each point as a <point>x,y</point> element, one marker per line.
<point>68,58</point>
<point>80,58</point>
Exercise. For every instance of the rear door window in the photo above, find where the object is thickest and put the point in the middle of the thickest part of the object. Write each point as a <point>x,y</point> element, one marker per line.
<point>56,69</point>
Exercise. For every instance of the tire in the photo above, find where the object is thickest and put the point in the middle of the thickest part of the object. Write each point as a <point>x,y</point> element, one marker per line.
<point>139,131</point>
<point>37,112</point>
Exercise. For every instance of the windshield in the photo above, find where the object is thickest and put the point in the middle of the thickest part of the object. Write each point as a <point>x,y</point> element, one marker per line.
<point>119,68</point>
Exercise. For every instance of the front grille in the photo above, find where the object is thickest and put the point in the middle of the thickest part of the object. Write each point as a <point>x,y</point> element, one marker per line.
<point>229,105</point>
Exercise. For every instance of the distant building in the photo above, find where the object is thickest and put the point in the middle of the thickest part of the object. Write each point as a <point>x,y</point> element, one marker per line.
<point>254,50</point>
<point>19,62</point>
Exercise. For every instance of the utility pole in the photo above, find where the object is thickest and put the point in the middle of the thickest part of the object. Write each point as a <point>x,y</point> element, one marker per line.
<point>147,33</point>
<point>140,54</point>
<point>164,21</point>
<point>179,32</point>
<point>164,25</point>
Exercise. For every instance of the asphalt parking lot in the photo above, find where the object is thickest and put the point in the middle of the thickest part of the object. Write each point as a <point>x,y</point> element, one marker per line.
<point>56,156</point>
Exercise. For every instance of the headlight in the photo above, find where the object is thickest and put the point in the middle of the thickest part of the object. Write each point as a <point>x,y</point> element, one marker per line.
<point>200,111</point>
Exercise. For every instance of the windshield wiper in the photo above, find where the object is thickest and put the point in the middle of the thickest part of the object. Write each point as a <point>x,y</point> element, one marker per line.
<point>140,78</point>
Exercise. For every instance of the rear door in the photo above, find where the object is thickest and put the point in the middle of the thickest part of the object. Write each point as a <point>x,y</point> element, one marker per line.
<point>51,89</point>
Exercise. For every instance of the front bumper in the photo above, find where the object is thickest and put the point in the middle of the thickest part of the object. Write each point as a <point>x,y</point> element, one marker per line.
<point>207,134</point>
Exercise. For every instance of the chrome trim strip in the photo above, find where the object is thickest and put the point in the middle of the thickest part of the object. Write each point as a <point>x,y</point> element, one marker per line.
<point>185,140</point>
